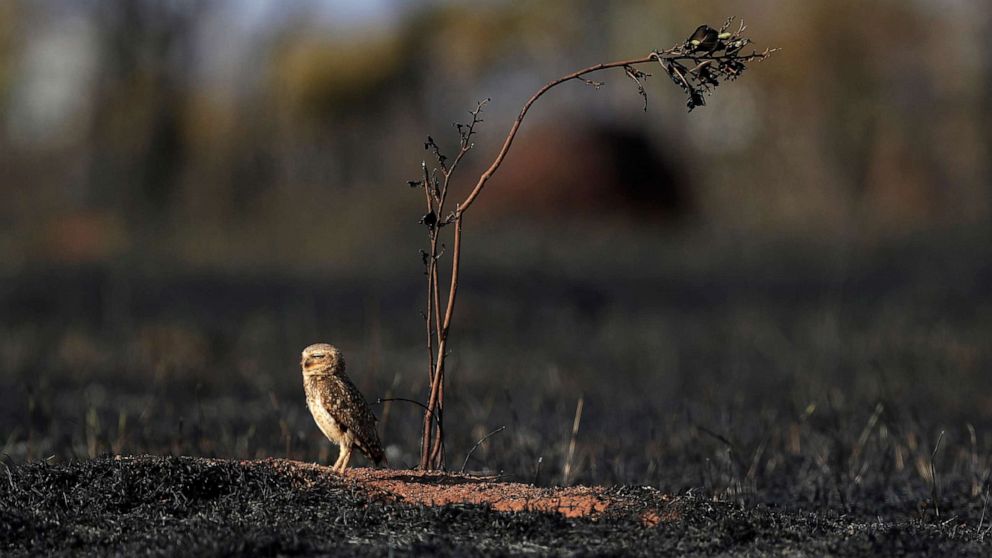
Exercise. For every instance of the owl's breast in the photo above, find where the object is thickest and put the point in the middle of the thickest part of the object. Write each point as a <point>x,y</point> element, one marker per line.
<point>331,428</point>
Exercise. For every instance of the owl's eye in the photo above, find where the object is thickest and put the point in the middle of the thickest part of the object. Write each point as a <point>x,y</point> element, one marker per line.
<point>318,355</point>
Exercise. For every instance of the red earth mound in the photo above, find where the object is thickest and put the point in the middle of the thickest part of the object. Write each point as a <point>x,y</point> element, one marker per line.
<point>441,488</point>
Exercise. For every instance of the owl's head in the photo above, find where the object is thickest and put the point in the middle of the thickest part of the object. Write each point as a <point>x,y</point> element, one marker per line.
<point>321,359</point>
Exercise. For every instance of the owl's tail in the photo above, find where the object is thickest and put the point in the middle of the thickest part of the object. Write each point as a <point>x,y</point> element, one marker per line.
<point>373,451</point>
<point>379,456</point>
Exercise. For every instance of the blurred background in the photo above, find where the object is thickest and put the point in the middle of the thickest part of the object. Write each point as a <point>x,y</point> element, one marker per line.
<point>194,191</point>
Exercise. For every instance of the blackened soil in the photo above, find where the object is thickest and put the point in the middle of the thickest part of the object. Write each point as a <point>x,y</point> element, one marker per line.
<point>194,506</point>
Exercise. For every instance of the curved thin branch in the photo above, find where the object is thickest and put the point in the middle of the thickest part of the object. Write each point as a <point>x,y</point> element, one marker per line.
<point>479,443</point>
<point>672,54</point>
<point>523,112</point>
<point>405,400</point>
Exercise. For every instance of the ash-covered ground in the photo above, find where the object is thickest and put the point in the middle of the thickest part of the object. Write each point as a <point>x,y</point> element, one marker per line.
<point>787,398</point>
<point>196,506</point>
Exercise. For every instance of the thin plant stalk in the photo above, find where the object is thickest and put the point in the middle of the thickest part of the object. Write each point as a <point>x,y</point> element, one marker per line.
<point>691,66</point>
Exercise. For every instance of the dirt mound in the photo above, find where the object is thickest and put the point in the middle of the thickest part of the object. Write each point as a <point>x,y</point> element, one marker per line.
<point>441,489</point>
<point>194,506</point>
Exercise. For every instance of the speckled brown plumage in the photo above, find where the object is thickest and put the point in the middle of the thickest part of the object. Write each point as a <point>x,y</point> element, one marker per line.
<point>337,406</point>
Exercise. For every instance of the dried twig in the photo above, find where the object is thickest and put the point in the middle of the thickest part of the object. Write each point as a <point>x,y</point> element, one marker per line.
<point>985,503</point>
<point>382,400</point>
<point>479,443</point>
<point>933,476</point>
<point>567,469</point>
<point>859,447</point>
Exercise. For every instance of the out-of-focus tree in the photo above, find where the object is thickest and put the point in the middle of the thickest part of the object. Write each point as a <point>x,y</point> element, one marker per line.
<point>137,137</point>
<point>193,130</point>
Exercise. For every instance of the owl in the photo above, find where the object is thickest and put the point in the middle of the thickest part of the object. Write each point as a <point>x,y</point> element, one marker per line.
<point>337,406</point>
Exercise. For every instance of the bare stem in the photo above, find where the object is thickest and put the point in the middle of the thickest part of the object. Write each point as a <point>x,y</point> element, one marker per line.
<point>431,263</point>
<point>933,477</point>
<point>435,394</point>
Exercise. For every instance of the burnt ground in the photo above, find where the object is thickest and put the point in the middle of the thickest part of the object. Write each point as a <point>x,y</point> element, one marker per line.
<point>180,505</point>
<point>776,397</point>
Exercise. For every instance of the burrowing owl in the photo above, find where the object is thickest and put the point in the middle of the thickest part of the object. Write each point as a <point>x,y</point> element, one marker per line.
<point>337,406</point>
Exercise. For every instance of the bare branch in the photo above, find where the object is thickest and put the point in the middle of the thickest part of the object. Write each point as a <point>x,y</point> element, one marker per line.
<point>592,83</point>
<point>479,443</point>
<point>638,77</point>
<point>731,64</point>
